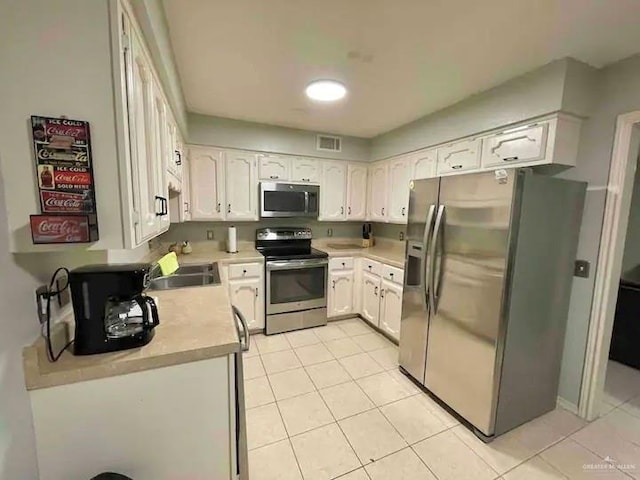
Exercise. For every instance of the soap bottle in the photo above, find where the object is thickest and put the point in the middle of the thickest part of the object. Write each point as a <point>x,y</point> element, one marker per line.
<point>186,248</point>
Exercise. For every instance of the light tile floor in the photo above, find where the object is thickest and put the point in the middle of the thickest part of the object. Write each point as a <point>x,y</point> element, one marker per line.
<point>330,402</point>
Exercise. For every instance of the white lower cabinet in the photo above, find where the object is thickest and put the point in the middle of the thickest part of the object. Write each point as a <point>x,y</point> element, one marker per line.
<point>390,308</point>
<point>246,291</point>
<point>371,297</point>
<point>381,296</point>
<point>340,301</point>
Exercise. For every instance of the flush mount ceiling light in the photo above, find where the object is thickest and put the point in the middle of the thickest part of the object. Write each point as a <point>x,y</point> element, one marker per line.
<point>325,90</point>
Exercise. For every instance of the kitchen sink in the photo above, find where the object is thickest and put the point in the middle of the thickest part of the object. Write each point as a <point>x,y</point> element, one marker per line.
<point>198,268</point>
<point>188,276</point>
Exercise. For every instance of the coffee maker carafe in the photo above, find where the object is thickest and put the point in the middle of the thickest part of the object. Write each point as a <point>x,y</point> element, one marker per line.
<point>111,311</point>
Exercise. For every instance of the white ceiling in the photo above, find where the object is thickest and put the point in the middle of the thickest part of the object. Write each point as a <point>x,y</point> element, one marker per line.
<point>400,59</point>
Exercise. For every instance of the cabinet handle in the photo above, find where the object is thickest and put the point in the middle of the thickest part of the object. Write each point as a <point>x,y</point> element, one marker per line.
<point>509,159</point>
<point>391,275</point>
<point>256,292</point>
<point>179,158</point>
<point>274,177</point>
<point>403,210</point>
<point>370,267</point>
<point>244,272</point>
<point>382,210</point>
<point>229,208</point>
<point>159,214</point>
<point>375,291</point>
<point>342,264</point>
<point>186,207</point>
<point>218,207</point>
<point>306,179</point>
<point>341,210</point>
<point>334,285</point>
<point>456,167</point>
<point>349,211</point>
<point>382,293</point>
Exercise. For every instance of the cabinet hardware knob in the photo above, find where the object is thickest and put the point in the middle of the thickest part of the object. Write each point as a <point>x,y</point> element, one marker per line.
<point>456,167</point>
<point>382,293</point>
<point>341,210</point>
<point>218,207</point>
<point>349,210</point>
<point>306,179</point>
<point>403,209</point>
<point>343,264</point>
<point>391,275</point>
<point>382,210</point>
<point>370,267</point>
<point>334,284</point>
<point>375,291</point>
<point>229,208</point>
<point>256,293</point>
<point>244,272</point>
<point>274,177</point>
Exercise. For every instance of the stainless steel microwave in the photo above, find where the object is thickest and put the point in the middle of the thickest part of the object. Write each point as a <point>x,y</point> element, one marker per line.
<point>286,200</point>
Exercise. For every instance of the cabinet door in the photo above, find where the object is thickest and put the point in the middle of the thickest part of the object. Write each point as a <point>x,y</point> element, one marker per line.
<point>333,191</point>
<point>399,177</point>
<point>340,301</point>
<point>273,167</point>
<point>390,308</point>
<point>356,192</point>
<point>459,156</point>
<point>519,145</point>
<point>241,186</point>
<point>207,184</point>
<point>423,164</point>
<point>248,296</point>
<point>160,154</point>
<point>174,155</point>
<point>378,192</point>
<point>140,112</point>
<point>370,297</point>
<point>305,170</point>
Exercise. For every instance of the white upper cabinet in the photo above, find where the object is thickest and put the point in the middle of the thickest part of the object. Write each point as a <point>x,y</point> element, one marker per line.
<point>273,167</point>
<point>399,177</point>
<point>356,192</point>
<point>333,193</point>
<point>459,156</point>
<point>160,151</point>
<point>305,170</point>
<point>241,186</point>
<point>378,187</point>
<point>524,144</point>
<point>139,101</point>
<point>207,183</point>
<point>423,164</point>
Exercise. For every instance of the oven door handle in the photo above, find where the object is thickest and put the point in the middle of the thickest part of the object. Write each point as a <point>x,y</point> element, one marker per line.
<point>295,264</point>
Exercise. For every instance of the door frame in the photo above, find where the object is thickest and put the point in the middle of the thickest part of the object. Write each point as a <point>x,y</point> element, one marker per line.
<point>609,265</point>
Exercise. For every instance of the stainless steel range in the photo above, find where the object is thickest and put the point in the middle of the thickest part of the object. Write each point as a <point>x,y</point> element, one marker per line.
<point>296,279</point>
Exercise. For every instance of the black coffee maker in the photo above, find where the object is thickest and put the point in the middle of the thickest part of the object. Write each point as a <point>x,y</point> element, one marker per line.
<point>110,309</point>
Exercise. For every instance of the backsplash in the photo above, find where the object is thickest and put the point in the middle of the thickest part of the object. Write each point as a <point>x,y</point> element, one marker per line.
<point>197,231</point>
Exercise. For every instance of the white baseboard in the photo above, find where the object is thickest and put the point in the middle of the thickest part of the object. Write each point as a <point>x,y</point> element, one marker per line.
<point>567,405</point>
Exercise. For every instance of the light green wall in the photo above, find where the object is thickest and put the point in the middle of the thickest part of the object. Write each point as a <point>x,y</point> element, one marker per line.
<point>225,132</point>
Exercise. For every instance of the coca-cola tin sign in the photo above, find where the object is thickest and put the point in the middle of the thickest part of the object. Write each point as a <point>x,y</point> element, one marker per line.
<point>64,171</point>
<point>62,229</point>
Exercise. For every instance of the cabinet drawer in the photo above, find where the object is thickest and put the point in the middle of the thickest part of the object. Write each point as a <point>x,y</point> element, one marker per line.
<point>527,144</point>
<point>341,263</point>
<point>371,266</point>
<point>245,270</point>
<point>459,156</point>
<point>393,274</point>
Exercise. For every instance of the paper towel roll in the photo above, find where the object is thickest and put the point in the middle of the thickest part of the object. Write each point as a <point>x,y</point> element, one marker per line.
<point>232,240</point>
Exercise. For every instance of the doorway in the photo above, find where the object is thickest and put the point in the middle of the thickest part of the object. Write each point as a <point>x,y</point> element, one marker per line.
<point>620,187</point>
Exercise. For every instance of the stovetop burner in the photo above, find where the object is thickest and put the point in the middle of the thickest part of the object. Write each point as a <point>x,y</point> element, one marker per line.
<point>286,243</point>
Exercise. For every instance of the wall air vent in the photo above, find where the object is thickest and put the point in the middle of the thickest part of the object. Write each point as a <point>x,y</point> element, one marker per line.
<point>328,143</point>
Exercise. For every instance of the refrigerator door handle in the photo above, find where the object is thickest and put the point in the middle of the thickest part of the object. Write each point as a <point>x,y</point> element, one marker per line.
<point>425,271</point>
<point>434,290</point>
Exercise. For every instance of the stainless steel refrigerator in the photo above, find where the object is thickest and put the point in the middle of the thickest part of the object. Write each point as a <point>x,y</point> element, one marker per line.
<point>488,273</point>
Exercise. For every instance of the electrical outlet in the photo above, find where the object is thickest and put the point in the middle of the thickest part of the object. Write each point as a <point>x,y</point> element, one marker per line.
<point>329,232</point>
<point>209,234</point>
<point>42,292</point>
<point>401,236</point>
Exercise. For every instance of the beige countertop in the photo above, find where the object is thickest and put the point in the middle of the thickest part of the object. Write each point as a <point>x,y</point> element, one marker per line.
<point>195,324</point>
<point>389,253</point>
